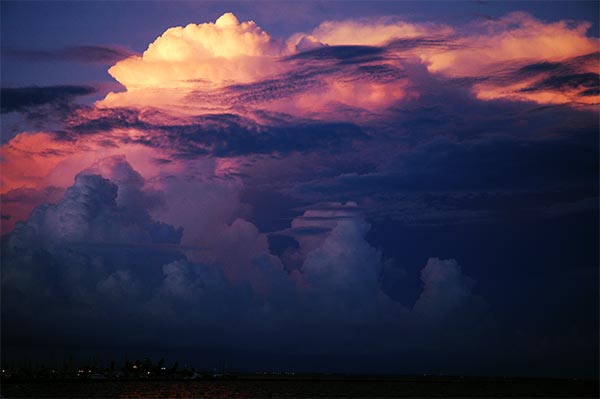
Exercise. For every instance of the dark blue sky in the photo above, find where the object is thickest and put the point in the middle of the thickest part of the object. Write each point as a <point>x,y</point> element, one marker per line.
<point>409,187</point>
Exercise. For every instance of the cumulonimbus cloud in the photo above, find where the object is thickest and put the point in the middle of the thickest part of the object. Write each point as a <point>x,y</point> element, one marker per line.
<point>232,66</point>
<point>354,131</point>
<point>297,105</point>
<point>104,247</point>
<point>218,53</point>
<point>212,62</point>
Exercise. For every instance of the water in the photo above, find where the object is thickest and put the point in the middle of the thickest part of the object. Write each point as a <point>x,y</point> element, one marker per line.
<point>345,388</point>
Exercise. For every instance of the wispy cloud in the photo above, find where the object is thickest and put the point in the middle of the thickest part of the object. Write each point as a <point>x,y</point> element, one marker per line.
<point>23,99</point>
<point>92,54</point>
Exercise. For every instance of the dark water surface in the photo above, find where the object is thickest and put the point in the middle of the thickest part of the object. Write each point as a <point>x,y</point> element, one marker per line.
<point>343,388</point>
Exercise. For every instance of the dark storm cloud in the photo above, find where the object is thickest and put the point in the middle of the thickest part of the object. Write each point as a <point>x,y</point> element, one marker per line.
<point>236,139</point>
<point>342,54</point>
<point>222,134</point>
<point>590,82</point>
<point>564,67</point>
<point>340,217</point>
<point>89,212</point>
<point>448,181</point>
<point>540,67</point>
<point>572,77</point>
<point>97,258</point>
<point>590,92</point>
<point>277,88</point>
<point>85,54</point>
<point>25,99</point>
<point>304,231</point>
<point>431,146</point>
<point>500,163</point>
<point>497,147</point>
<point>332,207</point>
<point>107,119</point>
<point>382,140</point>
<point>421,42</point>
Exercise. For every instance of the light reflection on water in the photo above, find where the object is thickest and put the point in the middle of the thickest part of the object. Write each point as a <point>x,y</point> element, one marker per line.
<point>209,389</point>
<point>301,388</point>
<point>182,390</point>
<point>234,389</point>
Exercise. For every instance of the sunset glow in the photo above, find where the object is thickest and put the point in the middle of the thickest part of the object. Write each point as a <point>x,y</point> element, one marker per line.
<point>342,187</point>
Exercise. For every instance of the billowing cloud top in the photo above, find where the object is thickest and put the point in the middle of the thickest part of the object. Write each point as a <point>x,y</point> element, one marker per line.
<point>361,64</point>
<point>218,53</point>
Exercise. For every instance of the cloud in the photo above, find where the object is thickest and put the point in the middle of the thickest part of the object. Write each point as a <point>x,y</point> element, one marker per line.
<point>218,134</point>
<point>318,222</point>
<point>39,153</point>
<point>131,194</point>
<point>375,32</point>
<point>346,53</point>
<point>86,54</point>
<point>514,37</point>
<point>583,81</point>
<point>215,53</point>
<point>213,217</point>
<point>23,99</point>
<point>445,181</point>
<point>445,288</point>
<point>18,203</point>
<point>315,160</point>
<point>308,141</point>
<point>66,234</point>
<point>571,81</point>
<point>482,49</point>
<point>348,67</point>
<point>92,258</point>
<point>70,265</point>
<point>39,108</point>
<point>341,268</point>
<point>345,273</point>
<point>53,159</point>
<point>192,284</point>
<point>235,67</point>
<point>88,213</point>
<point>351,68</point>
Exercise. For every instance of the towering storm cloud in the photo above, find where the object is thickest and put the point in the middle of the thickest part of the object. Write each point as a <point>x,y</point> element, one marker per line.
<point>365,189</point>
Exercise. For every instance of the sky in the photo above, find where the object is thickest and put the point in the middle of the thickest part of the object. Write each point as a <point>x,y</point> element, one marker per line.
<point>393,187</point>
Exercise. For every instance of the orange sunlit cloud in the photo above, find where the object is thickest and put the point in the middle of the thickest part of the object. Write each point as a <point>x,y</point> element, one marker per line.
<point>375,32</point>
<point>34,162</point>
<point>213,54</point>
<point>201,69</point>
<point>488,49</point>
<point>207,57</point>
<point>517,37</point>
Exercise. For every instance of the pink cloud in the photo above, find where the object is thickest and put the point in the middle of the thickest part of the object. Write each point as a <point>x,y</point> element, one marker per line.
<point>376,32</point>
<point>481,49</point>
<point>199,69</point>
<point>216,53</point>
